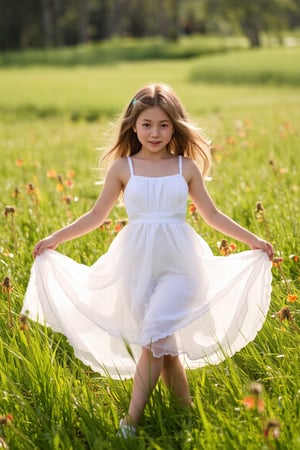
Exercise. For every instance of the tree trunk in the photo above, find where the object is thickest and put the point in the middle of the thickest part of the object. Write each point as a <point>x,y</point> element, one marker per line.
<point>173,35</point>
<point>83,21</point>
<point>47,22</point>
<point>251,28</point>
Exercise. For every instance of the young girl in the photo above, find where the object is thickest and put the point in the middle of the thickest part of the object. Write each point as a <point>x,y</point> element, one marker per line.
<point>158,289</point>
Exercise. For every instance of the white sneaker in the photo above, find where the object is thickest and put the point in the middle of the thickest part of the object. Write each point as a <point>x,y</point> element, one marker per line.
<point>126,431</point>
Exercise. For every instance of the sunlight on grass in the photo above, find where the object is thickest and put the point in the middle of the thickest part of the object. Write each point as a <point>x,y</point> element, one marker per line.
<point>49,399</point>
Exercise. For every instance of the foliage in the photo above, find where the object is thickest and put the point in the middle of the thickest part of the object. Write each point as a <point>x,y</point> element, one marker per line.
<point>125,49</point>
<point>48,399</point>
<point>255,16</point>
<point>53,23</point>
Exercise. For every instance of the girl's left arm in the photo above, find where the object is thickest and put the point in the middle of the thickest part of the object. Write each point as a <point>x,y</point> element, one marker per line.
<point>217,219</point>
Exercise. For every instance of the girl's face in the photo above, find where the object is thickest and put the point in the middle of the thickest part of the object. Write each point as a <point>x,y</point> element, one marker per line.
<point>154,130</point>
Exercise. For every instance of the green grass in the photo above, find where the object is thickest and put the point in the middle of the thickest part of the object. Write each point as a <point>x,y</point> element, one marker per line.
<point>91,93</point>
<point>57,402</point>
<point>123,49</point>
<point>264,66</point>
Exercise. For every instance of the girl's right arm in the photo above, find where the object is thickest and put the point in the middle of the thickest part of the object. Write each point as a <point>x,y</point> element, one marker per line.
<point>93,218</point>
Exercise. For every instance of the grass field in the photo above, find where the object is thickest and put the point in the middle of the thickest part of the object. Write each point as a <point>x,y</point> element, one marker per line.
<point>53,121</point>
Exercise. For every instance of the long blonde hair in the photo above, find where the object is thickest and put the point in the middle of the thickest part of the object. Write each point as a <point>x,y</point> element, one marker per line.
<point>188,140</point>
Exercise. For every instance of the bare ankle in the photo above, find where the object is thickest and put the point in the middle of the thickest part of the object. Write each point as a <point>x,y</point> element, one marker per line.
<point>128,420</point>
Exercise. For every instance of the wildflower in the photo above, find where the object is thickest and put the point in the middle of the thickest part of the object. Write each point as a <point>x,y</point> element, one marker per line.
<point>193,211</point>
<point>69,182</point>
<point>119,225</point>
<point>231,140</point>
<point>117,228</point>
<point>291,298</point>
<point>60,184</point>
<point>30,189</point>
<point>9,210</point>
<point>24,326</point>
<point>255,388</point>
<point>192,208</point>
<point>251,402</point>
<point>71,174</point>
<point>277,262</point>
<point>254,401</point>
<point>51,173</point>
<point>259,212</point>
<point>294,258</point>
<point>6,420</point>
<point>19,162</point>
<point>106,224</point>
<point>16,193</point>
<point>226,248</point>
<point>67,199</point>
<point>6,285</point>
<point>283,170</point>
<point>273,426</point>
<point>284,314</point>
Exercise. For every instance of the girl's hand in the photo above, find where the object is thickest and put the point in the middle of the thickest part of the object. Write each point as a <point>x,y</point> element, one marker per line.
<point>263,245</point>
<point>48,243</point>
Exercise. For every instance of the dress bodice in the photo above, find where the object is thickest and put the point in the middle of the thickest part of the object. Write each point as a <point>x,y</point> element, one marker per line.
<point>156,199</point>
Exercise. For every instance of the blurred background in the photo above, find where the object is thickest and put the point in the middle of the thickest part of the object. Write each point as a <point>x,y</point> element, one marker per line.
<point>56,23</point>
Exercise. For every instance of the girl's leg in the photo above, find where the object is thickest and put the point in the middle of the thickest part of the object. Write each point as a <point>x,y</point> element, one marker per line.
<point>146,376</point>
<point>174,376</point>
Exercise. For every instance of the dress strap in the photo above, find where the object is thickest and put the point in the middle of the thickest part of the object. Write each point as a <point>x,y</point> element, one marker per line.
<point>130,165</point>
<point>180,164</point>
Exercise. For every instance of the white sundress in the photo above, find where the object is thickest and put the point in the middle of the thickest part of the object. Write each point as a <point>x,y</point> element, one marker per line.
<point>158,286</point>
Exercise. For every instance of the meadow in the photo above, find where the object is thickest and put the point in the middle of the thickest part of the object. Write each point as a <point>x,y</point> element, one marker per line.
<point>55,119</point>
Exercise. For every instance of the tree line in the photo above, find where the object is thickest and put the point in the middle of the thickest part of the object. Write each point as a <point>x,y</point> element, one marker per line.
<point>56,23</point>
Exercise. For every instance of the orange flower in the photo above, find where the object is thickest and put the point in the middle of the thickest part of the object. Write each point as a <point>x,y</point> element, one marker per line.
<point>249,402</point>
<point>6,420</point>
<point>277,262</point>
<point>19,162</point>
<point>59,187</point>
<point>283,170</point>
<point>295,258</point>
<point>292,298</point>
<point>118,227</point>
<point>51,173</point>
<point>226,248</point>
<point>231,140</point>
<point>71,173</point>
<point>252,402</point>
<point>120,224</point>
<point>30,189</point>
<point>60,184</point>
<point>192,208</point>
